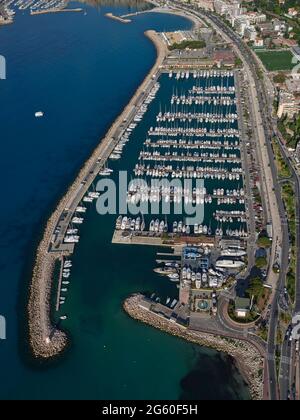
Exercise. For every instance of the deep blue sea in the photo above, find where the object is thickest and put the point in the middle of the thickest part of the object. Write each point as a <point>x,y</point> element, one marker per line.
<point>81,70</point>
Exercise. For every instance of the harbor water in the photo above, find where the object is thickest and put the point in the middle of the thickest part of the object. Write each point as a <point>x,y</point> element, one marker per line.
<point>81,69</point>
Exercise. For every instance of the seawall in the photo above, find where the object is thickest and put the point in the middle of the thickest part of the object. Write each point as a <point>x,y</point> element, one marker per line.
<point>248,359</point>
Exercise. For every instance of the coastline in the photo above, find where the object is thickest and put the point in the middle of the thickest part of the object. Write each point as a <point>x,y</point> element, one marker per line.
<point>247,358</point>
<point>46,341</point>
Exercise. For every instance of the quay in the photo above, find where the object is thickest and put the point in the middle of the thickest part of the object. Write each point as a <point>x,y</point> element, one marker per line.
<point>46,340</point>
<point>148,238</point>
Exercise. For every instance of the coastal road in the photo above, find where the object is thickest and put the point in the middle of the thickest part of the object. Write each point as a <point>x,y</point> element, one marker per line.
<point>276,209</point>
<point>273,193</point>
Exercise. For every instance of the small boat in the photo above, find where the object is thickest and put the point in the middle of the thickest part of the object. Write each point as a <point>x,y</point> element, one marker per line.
<point>174,277</point>
<point>173,303</point>
<point>39,114</point>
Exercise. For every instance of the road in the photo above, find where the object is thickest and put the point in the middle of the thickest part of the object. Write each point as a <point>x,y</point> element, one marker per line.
<point>285,371</point>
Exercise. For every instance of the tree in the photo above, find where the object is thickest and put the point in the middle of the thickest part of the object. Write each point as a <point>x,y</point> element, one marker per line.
<point>255,288</point>
<point>264,242</point>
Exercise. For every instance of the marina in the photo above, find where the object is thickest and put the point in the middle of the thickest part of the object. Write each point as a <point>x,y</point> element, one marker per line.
<point>196,138</point>
<point>35,7</point>
<point>191,135</point>
<point>191,156</point>
<point>180,126</point>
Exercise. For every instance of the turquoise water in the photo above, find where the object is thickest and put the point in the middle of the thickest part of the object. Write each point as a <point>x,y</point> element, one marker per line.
<point>81,71</point>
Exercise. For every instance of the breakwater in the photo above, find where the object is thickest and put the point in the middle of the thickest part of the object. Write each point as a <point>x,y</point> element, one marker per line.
<point>45,339</point>
<point>54,10</point>
<point>248,359</point>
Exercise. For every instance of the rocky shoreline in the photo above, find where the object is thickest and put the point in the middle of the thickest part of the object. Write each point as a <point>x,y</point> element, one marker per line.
<point>248,359</point>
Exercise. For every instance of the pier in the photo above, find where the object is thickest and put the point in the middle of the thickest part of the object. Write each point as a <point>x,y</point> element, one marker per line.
<point>120,19</point>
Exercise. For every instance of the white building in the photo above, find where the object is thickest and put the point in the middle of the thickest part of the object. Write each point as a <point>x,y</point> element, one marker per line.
<point>259,42</point>
<point>250,33</point>
<point>230,8</point>
<point>287,105</point>
<point>240,24</point>
<point>292,12</point>
<point>255,17</point>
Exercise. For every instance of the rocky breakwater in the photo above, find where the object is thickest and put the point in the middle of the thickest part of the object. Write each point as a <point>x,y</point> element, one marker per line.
<point>249,360</point>
<point>45,339</point>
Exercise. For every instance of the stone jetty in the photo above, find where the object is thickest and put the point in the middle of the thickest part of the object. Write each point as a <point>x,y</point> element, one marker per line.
<point>248,359</point>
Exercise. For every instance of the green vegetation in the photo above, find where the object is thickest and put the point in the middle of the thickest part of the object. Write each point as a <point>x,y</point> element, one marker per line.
<point>250,317</point>
<point>272,8</point>
<point>259,293</point>
<point>277,60</point>
<point>283,169</point>
<point>264,242</point>
<point>277,359</point>
<point>279,338</point>
<point>238,62</point>
<point>256,288</point>
<point>260,74</point>
<point>285,318</point>
<point>257,196</point>
<point>263,333</point>
<point>291,282</point>
<point>288,196</point>
<point>290,129</point>
<point>192,45</point>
